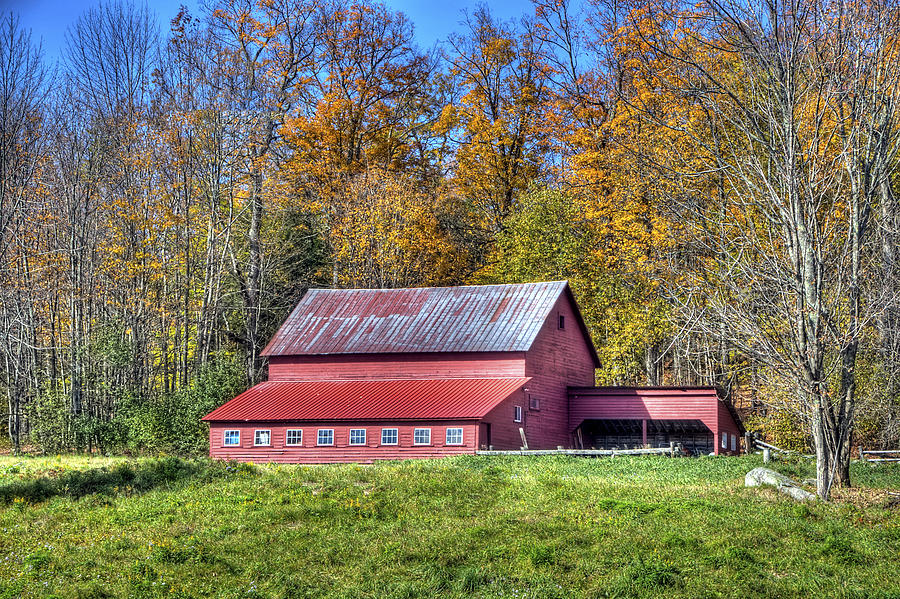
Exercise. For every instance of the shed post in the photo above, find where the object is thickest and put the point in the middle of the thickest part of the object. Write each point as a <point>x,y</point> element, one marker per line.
<point>748,442</point>
<point>644,432</point>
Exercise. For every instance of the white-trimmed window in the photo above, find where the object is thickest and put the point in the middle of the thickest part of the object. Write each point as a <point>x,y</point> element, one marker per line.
<point>262,438</point>
<point>293,436</point>
<point>231,438</point>
<point>517,413</point>
<point>325,436</point>
<point>733,443</point>
<point>454,436</point>
<point>389,436</point>
<point>724,440</point>
<point>422,436</point>
<point>357,436</point>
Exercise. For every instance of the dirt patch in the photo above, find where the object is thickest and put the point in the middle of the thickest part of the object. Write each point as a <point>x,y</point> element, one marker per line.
<point>866,498</point>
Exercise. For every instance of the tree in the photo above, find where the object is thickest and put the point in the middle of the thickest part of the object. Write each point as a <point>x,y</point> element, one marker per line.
<point>794,122</point>
<point>268,48</point>
<point>23,81</point>
<point>492,116</point>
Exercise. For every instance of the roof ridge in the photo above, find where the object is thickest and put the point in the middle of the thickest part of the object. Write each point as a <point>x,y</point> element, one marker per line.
<point>479,285</point>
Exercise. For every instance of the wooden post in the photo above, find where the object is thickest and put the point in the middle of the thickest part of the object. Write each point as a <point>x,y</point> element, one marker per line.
<point>748,443</point>
<point>671,448</point>
<point>767,455</point>
<point>862,456</point>
<point>644,432</point>
<point>524,440</point>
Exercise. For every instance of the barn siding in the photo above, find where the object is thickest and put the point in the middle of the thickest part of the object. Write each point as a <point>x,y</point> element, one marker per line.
<point>654,404</point>
<point>396,366</point>
<point>341,451</point>
<point>504,432</point>
<point>727,424</point>
<point>559,358</point>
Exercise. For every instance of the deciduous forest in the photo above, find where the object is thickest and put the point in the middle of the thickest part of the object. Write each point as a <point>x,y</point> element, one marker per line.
<point>717,181</point>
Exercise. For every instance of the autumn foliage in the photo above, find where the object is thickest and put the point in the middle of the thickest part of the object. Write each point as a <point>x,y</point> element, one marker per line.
<point>172,191</point>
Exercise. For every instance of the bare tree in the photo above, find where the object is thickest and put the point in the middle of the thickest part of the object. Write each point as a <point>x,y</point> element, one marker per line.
<point>268,50</point>
<point>23,80</point>
<point>799,137</point>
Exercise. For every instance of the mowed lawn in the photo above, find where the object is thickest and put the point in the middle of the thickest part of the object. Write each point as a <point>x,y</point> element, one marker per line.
<point>457,527</point>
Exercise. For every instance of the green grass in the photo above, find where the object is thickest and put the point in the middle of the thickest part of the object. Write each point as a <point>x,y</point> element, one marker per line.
<point>457,527</point>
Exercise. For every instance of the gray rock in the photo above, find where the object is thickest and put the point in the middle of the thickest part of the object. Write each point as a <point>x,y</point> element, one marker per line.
<point>763,476</point>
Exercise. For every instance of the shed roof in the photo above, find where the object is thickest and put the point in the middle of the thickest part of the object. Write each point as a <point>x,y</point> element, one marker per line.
<point>478,318</point>
<point>417,399</point>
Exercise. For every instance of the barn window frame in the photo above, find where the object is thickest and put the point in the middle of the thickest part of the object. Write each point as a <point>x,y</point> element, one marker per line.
<point>426,440</point>
<point>733,443</point>
<point>518,413</point>
<point>453,433</point>
<point>355,432</point>
<point>724,440</point>
<point>330,432</point>
<point>298,433</point>
<point>395,435</point>
<point>227,433</point>
<point>561,322</point>
<point>256,437</point>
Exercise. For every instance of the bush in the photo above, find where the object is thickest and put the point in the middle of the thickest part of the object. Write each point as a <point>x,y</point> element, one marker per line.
<point>171,423</point>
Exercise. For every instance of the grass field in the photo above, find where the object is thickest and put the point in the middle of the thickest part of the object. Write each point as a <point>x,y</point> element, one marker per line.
<point>457,527</point>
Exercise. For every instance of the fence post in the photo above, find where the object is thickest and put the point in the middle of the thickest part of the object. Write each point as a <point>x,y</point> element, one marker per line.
<point>748,443</point>
<point>672,449</point>
<point>862,456</point>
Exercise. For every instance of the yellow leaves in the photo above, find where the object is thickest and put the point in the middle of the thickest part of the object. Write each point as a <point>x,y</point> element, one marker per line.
<point>385,234</point>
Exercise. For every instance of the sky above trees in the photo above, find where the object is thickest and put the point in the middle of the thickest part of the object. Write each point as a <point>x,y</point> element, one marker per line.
<point>434,21</point>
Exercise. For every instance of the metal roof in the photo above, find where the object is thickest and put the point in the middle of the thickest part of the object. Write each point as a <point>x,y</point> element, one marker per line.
<point>482,318</point>
<point>408,399</point>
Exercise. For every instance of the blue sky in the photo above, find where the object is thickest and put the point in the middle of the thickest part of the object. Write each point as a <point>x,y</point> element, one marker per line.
<point>434,19</point>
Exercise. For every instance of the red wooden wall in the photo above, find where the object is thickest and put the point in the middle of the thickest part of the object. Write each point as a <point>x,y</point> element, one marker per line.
<point>310,453</point>
<point>396,366</point>
<point>559,358</point>
<point>636,403</point>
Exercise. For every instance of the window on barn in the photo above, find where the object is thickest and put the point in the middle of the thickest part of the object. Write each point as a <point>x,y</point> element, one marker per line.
<point>562,321</point>
<point>422,436</point>
<point>357,436</point>
<point>232,438</point>
<point>325,437</point>
<point>733,443</point>
<point>724,440</point>
<point>389,436</point>
<point>534,404</point>
<point>517,413</point>
<point>262,437</point>
<point>293,436</point>
<point>454,436</point>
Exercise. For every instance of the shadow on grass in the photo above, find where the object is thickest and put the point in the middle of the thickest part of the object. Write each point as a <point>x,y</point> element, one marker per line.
<point>125,478</point>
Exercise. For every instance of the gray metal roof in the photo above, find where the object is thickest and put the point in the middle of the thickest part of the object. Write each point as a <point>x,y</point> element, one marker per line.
<point>483,318</point>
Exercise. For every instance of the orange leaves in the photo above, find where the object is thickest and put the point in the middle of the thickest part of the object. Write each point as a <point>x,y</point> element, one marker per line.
<point>494,120</point>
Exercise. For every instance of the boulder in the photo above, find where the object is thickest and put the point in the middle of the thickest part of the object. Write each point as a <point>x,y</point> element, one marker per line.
<point>763,476</point>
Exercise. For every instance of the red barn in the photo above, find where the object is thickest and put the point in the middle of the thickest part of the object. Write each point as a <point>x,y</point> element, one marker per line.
<point>358,375</point>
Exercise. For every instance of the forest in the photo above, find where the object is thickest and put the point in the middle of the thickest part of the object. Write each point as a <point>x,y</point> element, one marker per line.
<point>717,181</point>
